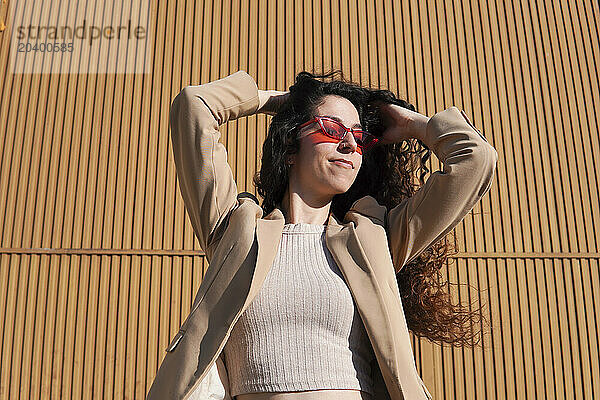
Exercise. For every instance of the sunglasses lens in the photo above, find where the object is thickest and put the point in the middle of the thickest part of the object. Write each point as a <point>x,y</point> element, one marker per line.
<point>333,129</point>
<point>364,139</point>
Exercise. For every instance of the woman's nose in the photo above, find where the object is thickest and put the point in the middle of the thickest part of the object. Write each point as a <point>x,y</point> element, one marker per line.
<point>349,142</point>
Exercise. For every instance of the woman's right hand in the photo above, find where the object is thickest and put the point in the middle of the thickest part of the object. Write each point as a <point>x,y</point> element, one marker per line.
<point>271,100</point>
<point>401,123</point>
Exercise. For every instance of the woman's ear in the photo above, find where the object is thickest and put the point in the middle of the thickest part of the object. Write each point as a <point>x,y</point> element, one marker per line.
<point>290,160</point>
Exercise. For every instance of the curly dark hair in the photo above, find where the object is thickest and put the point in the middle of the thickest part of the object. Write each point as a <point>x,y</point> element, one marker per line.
<point>386,174</point>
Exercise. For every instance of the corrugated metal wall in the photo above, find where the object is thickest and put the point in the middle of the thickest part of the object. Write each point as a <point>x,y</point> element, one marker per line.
<point>99,264</point>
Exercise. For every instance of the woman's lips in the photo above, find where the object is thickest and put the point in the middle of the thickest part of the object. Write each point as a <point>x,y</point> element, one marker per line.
<point>345,164</point>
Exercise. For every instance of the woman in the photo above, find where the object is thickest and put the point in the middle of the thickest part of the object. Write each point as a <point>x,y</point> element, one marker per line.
<point>301,299</point>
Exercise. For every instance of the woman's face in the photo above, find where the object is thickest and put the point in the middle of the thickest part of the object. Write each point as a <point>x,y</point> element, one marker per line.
<point>318,167</point>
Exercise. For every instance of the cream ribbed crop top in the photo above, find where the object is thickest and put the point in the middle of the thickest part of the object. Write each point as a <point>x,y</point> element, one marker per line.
<point>302,331</point>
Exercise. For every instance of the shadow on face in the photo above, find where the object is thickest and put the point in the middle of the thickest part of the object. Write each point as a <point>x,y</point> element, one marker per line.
<point>324,167</point>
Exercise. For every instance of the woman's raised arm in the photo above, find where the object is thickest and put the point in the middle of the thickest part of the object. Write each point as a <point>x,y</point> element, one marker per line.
<point>205,178</point>
<point>469,162</point>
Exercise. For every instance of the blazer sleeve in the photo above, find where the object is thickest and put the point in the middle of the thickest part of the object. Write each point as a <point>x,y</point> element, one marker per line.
<point>205,178</point>
<point>469,163</point>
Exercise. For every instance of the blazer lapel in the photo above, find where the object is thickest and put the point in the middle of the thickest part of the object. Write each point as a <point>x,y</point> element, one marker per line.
<point>268,235</point>
<point>345,249</point>
<point>384,324</point>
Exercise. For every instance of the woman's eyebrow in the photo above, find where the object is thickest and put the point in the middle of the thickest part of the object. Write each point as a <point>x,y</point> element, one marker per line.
<point>341,122</point>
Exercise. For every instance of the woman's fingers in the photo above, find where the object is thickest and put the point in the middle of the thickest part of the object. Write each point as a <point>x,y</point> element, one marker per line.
<point>396,121</point>
<point>401,123</point>
<point>281,98</point>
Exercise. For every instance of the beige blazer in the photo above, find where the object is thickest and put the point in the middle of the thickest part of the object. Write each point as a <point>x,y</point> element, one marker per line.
<point>370,245</point>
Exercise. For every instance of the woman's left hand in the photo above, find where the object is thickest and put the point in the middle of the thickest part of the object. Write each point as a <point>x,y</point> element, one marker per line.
<point>401,123</point>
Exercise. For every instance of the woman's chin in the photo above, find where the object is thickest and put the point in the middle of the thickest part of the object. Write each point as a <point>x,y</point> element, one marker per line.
<point>340,189</point>
<point>332,187</point>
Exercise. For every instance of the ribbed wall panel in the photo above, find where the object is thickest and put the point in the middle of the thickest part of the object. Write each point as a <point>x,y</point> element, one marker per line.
<point>98,260</point>
<point>89,326</point>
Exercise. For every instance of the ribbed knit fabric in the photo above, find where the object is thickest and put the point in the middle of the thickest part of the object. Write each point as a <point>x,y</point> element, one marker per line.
<point>302,331</point>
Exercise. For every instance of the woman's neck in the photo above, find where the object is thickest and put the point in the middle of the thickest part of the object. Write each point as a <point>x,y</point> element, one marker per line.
<point>297,208</point>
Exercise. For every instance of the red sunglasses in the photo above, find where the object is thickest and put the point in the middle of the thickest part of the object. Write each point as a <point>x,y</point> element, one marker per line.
<point>336,130</point>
